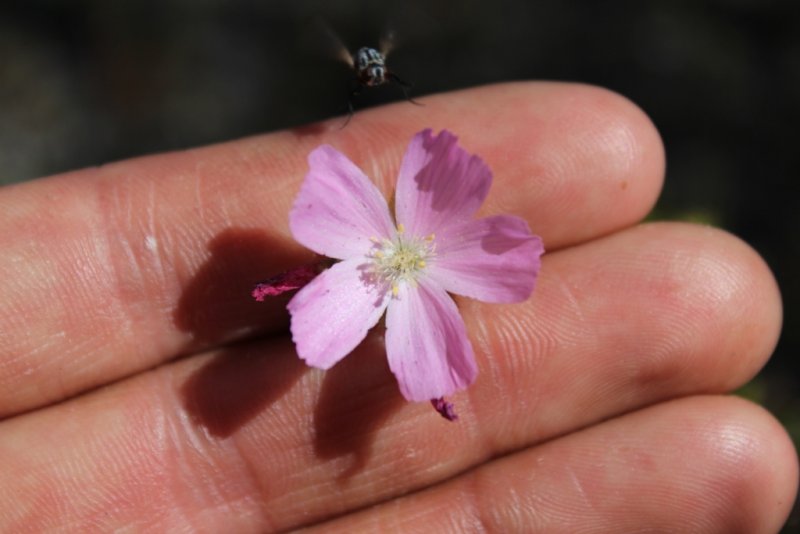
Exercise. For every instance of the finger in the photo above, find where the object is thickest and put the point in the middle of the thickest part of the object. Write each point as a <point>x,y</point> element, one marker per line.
<point>702,464</point>
<point>619,323</point>
<point>112,270</point>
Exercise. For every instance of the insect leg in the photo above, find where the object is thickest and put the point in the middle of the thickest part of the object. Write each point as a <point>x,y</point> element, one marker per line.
<point>405,86</point>
<point>354,89</point>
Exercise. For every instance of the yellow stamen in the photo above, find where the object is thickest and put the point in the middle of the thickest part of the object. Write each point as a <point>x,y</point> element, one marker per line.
<point>401,259</point>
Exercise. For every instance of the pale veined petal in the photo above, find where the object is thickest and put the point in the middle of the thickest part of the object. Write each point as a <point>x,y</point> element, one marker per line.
<point>427,344</point>
<point>338,209</point>
<point>439,184</point>
<point>495,259</point>
<point>332,314</point>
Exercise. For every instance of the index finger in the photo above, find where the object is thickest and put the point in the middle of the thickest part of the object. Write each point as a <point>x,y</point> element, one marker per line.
<point>113,270</point>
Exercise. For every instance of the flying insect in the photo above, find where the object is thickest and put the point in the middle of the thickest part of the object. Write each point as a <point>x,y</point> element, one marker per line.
<point>369,66</point>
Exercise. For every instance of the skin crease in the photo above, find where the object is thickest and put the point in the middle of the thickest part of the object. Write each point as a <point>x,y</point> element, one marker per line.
<point>600,403</point>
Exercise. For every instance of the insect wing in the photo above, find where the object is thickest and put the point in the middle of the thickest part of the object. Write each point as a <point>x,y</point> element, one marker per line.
<point>328,43</point>
<point>387,42</point>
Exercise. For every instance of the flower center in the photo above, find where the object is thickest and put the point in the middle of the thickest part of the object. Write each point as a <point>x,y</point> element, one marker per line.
<point>401,259</point>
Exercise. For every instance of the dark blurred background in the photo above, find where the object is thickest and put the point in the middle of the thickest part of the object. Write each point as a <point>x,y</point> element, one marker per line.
<point>84,82</point>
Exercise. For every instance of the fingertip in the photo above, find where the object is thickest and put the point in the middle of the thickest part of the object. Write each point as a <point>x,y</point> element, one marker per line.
<point>751,476</point>
<point>579,160</point>
<point>600,161</point>
<point>731,290</point>
<point>760,309</point>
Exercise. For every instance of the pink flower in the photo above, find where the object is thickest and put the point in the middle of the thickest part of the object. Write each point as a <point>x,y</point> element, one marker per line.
<point>407,265</point>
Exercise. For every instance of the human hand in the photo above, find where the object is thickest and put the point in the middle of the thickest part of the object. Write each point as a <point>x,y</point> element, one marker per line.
<point>142,388</point>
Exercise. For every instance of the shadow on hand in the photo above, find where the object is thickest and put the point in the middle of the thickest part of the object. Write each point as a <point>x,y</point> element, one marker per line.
<point>313,129</point>
<point>238,384</point>
<point>358,394</point>
<point>216,305</point>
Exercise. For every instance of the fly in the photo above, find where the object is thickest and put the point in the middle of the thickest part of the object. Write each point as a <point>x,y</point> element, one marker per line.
<point>369,66</point>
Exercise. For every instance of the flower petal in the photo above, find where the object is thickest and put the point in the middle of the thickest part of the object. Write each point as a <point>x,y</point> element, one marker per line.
<point>439,184</point>
<point>338,209</point>
<point>495,259</point>
<point>332,314</point>
<point>427,344</point>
